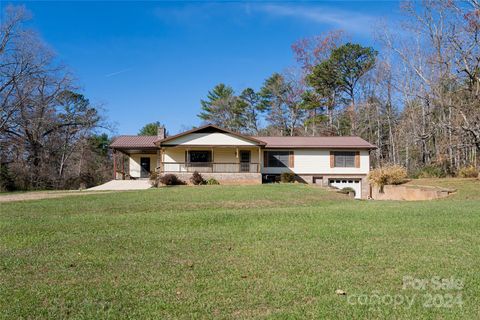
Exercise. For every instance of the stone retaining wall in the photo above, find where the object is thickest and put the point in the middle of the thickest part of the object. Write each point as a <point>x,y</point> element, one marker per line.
<point>409,193</point>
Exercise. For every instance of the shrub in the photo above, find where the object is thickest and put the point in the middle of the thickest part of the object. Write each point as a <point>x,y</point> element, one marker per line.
<point>468,172</point>
<point>197,178</point>
<point>430,171</point>
<point>154,178</point>
<point>212,181</point>
<point>388,175</point>
<point>287,177</point>
<point>7,182</point>
<point>170,180</point>
<point>347,190</point>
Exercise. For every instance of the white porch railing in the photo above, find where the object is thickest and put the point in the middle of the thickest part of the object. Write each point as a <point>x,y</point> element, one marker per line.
<point>209,167</point>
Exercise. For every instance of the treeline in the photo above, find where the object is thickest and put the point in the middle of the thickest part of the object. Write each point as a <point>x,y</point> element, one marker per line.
<point>417,98</point>
<point>47,137</point>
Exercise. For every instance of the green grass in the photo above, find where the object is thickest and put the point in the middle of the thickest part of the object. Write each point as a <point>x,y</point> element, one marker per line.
<point>269,251</point>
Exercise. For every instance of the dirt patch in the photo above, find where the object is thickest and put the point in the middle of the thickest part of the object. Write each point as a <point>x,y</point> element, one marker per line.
<point>38,195</point>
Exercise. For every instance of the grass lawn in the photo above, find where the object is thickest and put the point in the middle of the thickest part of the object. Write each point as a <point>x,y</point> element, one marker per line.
<point>269,251</point>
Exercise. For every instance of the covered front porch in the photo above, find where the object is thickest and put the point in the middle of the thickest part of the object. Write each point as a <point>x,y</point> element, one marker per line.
<point>223,159</point>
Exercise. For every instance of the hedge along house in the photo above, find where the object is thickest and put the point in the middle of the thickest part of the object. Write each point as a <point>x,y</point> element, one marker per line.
<point>233,158</point>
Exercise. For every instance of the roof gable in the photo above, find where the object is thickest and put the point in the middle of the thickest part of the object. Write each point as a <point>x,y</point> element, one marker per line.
<point>209,135</point>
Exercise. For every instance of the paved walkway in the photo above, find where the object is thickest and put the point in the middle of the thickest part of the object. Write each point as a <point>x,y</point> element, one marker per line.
<point>114,185</point>
<point>38,195</point>
<point>123,185</point>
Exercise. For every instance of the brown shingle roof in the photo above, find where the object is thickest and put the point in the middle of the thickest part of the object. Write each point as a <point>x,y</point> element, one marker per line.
<point>130,142</point>
<point>134,142</point>
<point>316,142</point>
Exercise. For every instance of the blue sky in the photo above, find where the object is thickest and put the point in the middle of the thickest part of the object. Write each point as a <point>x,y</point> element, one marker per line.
<point>148,61</point>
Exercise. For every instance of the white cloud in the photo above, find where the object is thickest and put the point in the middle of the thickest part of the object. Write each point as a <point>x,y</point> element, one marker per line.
<point>350,21</point>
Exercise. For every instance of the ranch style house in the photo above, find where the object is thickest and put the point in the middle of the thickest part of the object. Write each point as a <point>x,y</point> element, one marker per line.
<point>234,158</point>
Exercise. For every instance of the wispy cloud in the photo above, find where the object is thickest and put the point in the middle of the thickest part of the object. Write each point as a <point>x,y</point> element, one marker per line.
<point>116,73</point>
<point>354,22</point>
<point>350,21</point>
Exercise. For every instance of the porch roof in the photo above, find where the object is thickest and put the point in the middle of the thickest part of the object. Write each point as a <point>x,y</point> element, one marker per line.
<point>130,143</point>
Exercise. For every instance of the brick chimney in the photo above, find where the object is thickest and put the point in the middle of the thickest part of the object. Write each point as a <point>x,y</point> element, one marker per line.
<point>161,133</point>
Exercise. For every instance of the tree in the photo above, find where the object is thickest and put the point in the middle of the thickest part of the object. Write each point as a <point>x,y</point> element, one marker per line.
<point>150,129</point>
<point>310,52</point>
<point>326,82</point>
<point>252,110</point>
<point>223,108</point>
<point>352,61</point>
<point>281,99</point>
<point>17,60</point>
<point>438,80</point>
<point>319,106</point>
<point>339,74</point>
<point>44,120</point>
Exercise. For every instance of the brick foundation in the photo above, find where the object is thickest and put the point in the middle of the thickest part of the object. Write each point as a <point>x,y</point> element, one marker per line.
<point>224,178</point>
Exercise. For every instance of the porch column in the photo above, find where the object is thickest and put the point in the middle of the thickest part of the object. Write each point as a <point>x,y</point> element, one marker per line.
<point>162,160</point>
<point>123,166</point>
<point>213,159</point>
<point>114,164</point>
<point>259,158</point>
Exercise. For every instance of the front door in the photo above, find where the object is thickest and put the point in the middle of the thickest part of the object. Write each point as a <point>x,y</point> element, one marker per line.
<point>144,167</point>
<point>244,161</point>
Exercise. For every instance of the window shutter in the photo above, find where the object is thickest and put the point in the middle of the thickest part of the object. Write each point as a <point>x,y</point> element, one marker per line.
<point>357,159</point>
<point>265,159</point>
<point>291,163</point>
<point>332,159</point>
<point>186,156</point>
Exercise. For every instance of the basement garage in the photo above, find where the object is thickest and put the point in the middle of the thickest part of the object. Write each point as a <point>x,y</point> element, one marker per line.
<point>341,183</point>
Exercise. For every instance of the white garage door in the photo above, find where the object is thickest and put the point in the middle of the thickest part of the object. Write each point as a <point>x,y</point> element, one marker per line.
<point>355,184</point>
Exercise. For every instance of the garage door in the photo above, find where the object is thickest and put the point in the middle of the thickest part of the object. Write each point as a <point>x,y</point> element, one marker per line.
<point>355,184</point>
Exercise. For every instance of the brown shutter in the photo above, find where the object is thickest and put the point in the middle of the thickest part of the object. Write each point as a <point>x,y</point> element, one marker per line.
<point>186,156</point>
<point>332,159</point>
<point>357,159</point>
<point>265,159</point>
<point>291,163</point>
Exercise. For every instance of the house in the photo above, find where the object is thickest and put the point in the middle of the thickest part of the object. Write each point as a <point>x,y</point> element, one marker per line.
<point>233,158</point>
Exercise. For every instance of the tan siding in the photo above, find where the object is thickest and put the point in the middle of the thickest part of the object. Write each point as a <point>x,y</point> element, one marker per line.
<point>174,155</point>
<point>225,155</point>
<point>134,163</point>
<point>320,161</point>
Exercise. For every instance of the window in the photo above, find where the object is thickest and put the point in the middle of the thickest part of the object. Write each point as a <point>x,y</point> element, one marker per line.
<point>278,159</point>
<point>199,156</point>
<point>344,159</point>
